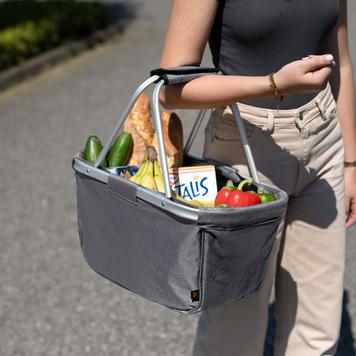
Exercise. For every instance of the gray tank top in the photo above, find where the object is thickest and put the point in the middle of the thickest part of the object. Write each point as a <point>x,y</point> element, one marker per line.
<point>257,37</point>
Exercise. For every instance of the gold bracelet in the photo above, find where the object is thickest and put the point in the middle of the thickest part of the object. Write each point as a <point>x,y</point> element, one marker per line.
<point>349,164</point>
<point>274,89</point>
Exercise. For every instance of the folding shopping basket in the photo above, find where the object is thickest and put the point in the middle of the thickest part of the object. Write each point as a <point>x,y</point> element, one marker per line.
<point>183,257</point>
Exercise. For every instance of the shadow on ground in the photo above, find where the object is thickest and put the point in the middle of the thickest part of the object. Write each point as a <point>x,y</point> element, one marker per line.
<point>346,342</point>
<point>120,10</point>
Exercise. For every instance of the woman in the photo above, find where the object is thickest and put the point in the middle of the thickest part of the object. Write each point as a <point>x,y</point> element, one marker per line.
<point>299,144</point>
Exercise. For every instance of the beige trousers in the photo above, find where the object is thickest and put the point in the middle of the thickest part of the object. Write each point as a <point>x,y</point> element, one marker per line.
<point>300,151</point>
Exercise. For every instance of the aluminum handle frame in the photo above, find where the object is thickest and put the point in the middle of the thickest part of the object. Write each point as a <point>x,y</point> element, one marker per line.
<point>160,138</point>
<point>246,145</point>
<point>241,127</point>
<point>195,129</point>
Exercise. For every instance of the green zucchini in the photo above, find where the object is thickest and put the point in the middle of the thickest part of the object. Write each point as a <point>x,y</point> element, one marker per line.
<point>121,150</point>
<point>92,150</point>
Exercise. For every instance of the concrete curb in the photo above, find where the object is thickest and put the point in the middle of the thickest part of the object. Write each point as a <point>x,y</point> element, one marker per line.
<point>37,64</point>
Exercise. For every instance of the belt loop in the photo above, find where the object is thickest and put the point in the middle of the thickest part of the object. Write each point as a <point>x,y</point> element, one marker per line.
<point>298,119</point>
<point>321,108</point>
<point>269,127</point>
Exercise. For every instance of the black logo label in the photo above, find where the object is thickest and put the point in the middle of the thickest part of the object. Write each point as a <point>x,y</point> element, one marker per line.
<point>195,295</point>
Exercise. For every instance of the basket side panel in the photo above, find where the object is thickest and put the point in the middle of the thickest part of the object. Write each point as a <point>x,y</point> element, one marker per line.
<point>235,261</point>
<point>138,246</point>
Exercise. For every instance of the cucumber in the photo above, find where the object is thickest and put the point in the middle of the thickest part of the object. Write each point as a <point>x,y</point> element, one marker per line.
<point>92,150</point>
<point>121,150</point>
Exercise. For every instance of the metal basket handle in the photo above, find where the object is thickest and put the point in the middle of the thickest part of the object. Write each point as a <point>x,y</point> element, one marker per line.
<point>161,77</point>
<point>241,127</point>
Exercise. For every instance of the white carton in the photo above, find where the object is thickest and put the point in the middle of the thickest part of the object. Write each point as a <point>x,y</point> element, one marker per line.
<point>195,183</point>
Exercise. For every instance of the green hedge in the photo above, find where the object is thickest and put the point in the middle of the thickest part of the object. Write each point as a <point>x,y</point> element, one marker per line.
<point>29,27</point>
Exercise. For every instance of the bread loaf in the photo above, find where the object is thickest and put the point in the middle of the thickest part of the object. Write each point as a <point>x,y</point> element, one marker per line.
<point>140,117</point>
<point>173,139</point>
<point>139,124</point>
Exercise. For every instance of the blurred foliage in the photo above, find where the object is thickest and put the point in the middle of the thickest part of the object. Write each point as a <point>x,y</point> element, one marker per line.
<point>30,27</point>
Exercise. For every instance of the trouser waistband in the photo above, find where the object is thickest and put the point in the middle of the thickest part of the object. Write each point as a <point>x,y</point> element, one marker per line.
<point>269,118</point>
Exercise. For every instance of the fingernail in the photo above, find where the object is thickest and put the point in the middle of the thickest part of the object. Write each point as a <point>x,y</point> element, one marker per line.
<point>304,58</point>
<point>329,58</point>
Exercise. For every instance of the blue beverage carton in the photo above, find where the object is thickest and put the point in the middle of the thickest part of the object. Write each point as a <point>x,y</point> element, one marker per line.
<point>122,170</point>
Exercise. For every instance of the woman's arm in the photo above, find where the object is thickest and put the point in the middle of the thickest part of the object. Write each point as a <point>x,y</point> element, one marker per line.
<point>342,82</point>
<point>343,87</point>
<point>188,31</point>
<point>189,26</point>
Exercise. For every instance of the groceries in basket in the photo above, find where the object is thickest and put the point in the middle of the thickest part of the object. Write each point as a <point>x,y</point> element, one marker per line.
<point>130,146</point>
<point>134,156</point>
<point>118,155</point>
<point>196,185</point>
<point>232,197</point>
<point>192,185</point>
<point>150,175</point>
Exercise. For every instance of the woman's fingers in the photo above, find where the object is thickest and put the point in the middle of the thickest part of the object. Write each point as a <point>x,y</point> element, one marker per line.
<point>305,76</point>
<point>318,69</point>
<point>350,212</point>
<point>350,196</point>
<point>313,63</point>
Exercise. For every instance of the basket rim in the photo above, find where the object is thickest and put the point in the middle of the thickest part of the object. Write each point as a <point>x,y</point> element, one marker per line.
<point>176,207</point>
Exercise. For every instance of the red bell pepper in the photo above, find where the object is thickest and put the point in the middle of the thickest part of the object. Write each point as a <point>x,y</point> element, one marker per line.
<point>239,198</point>
<point>224,193</point>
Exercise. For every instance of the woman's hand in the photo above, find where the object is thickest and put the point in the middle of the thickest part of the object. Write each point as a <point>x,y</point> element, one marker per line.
<point>305,76</point>
<point>350,196</point>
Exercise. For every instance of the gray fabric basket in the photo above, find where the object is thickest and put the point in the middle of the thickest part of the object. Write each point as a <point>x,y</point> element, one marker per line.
<point>179,256</point>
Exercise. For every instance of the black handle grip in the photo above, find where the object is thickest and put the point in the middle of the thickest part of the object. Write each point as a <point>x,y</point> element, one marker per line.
<point>179,75</point>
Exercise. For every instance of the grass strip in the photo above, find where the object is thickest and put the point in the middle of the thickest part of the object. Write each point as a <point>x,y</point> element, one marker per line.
<point>30,27</point>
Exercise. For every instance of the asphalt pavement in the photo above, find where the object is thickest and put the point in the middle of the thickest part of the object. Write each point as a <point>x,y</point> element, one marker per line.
<point>51,303</point>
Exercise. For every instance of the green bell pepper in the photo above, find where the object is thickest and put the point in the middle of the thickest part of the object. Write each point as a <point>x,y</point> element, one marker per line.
<point>265,197</point>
